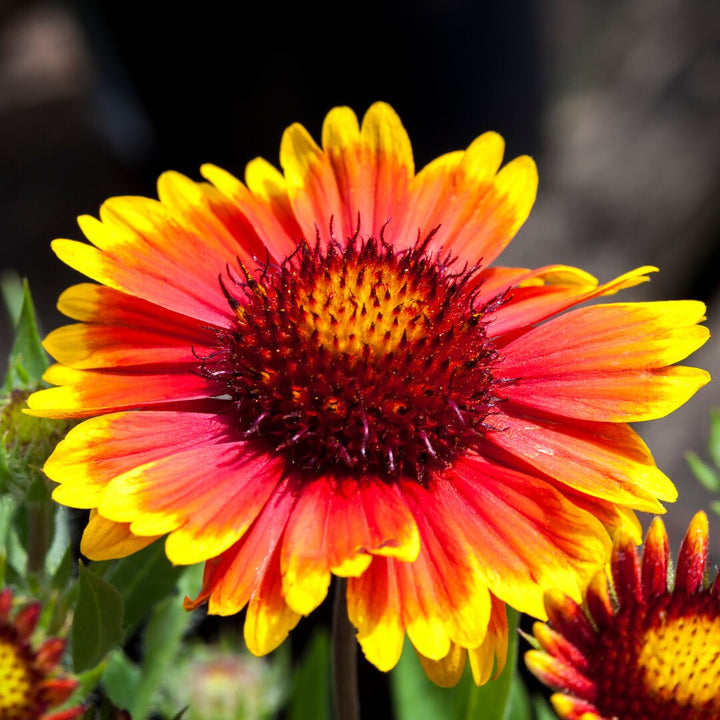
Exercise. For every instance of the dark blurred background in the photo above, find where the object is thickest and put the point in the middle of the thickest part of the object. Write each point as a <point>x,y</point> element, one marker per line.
<point>619,102</point>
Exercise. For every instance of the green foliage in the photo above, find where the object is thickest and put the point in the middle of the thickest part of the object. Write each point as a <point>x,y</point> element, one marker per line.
<point>28,360</point>
<point>310,691</point>
<point>415,697</point>
<point>97,625</point>
<point>144,578</point>
<point>708,473</point>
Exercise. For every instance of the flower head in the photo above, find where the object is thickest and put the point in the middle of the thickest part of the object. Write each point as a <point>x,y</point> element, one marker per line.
<point>320,372</point>
<point>647,644</point>
<point>30,686</point>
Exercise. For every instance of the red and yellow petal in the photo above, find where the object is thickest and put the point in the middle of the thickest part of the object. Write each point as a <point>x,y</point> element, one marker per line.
<point>83,393</point>
<point>205,497</point>
<point>562,366</point>
<point>360,174</point>
<point>374,607</point>
<point>103,447</point>
<point>264,207</point>
<point>477,209</point>
<point>336,526</point>
<point>372,164</point>
<point>526,535</point>
<point>604,460</point>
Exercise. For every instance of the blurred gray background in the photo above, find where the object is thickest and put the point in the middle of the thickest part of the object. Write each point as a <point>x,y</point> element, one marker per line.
<point>619,102</point>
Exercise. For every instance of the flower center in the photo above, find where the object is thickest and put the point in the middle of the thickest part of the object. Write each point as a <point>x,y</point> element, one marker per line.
<point>681,660</point>
<point>661,662</point>
<point>361,358</point>
<point>17,684</point>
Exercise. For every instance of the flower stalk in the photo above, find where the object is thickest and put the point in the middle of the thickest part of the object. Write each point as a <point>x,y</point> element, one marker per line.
<point>346,698</point>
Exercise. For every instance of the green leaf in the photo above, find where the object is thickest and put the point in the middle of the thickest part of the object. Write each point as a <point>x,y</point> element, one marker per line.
<point>11,286</point>
<point>543,711</point>
<point>28,360</point>
<point>310,691</point>
<point>86,684</point>
<point>144,579</point>
<point>121,679</point>
<point>715,507</point>
<point>163,638</point>
<point>97,625</point>
<point>519,706</point>
<point>714,439</point>
<point>709,478</point>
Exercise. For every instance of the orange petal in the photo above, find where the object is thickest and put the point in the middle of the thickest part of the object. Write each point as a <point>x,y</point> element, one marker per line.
<point>206,497</point>
<point>99,449</point>
<point>526,535</point>
<point>617,336</point>
<point>82,393</point>
<point>374,608</point>
<point>336,526</point>
<point>231,579</point>
<point>444,596</point>
<point>476,210</point>
<point>84,346</point>
<point>533,296</point>
<point>269,618</point>
<point>604,460</point>
<point>264,204</point>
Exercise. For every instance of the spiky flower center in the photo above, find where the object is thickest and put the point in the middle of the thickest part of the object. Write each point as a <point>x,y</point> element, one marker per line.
<point>18,680</point>
<point>662,662</point>
<point>359,357</point>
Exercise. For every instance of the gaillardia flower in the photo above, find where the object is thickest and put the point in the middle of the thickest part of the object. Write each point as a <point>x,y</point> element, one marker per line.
<point>647,644</point>
<point>319,372</point>
<point>29,683</point>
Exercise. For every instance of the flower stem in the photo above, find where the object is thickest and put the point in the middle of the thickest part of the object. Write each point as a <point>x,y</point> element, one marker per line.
<point>345,685</point>
<point>40,530</point>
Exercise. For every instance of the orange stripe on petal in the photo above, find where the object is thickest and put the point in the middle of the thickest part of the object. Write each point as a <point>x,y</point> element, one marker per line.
<point>212,494</point>
<point>104,539</point>
<point>311,185</point>
<point>336,526</point>
<point>87,392</point>
<point>540,294</point>
<point>131,275</point>
<point>99,449</point>
<point>84,346</point>
<point>477,211</point>
<point>604,460</point>
<point>269,619</point>
<point>609,396</point>
<point>265,204</point>
<point>231,578</point>
<point>444,595</point>
<point>526,535</point>
<point>618,336</point>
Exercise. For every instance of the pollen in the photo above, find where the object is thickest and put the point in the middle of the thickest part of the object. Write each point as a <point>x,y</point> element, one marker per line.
<point>359,357</point>
<point>17,682</point>
<point>692,678</point>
